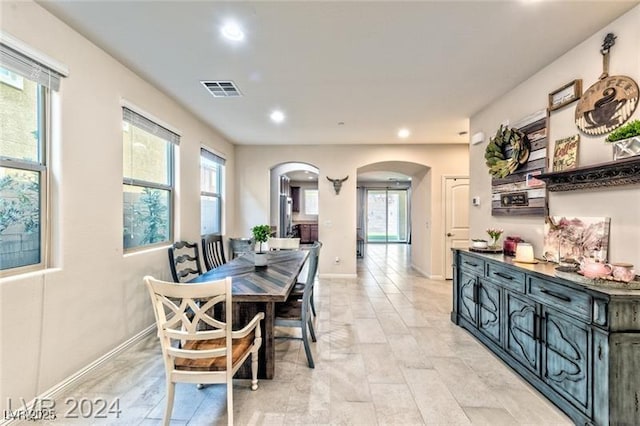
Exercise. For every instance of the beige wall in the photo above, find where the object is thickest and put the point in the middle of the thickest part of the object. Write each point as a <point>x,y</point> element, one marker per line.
<point>54,323</point>
<point>337,218</point>
<point>622,204</point>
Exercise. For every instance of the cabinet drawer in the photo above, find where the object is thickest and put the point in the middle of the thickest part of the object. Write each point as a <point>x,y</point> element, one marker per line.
<point>506,277</point>
<point>472,263</point>
<point>567,300</point>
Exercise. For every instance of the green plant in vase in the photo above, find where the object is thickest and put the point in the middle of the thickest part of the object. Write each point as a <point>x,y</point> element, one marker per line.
<point>260,235</point>
<point>495,234</point>
<point>627,131</point>
<point>625,140</point>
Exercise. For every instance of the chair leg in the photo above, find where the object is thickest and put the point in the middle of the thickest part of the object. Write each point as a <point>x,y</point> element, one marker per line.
<point>312,331</point>
<point>171,387</point>
<point>307,349</point>
<point>254,369</point>
<point>230,402</point>
<point>313,306</point>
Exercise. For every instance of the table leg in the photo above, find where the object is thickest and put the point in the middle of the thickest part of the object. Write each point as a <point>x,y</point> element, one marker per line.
<point>243,312</point>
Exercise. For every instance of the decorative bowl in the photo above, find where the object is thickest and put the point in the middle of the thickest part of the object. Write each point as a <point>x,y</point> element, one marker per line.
<point>479,243</point>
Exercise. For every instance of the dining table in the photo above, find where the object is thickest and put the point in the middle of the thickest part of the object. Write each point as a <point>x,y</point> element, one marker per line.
<point>258,289</point>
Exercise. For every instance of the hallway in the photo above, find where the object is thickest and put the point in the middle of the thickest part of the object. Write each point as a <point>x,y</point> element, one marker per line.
<point>387,353</point>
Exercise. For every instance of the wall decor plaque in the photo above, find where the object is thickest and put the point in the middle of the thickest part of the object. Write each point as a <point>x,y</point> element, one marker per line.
<point>565,153</point>
<point>514,199</point>
<point>568,93</point>
<point>519,193</point>
<point>609,102</point>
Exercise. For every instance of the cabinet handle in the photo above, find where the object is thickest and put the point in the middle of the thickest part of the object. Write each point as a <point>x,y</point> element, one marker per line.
<point>475,265</point>
<point>475,292</point>
<point>536,327</point>
<point>600,352</point>
<point>556,295</point>
<point>505,276</point>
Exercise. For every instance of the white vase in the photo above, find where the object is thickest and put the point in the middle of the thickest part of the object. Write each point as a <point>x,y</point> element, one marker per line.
<point>626,148</point>
<point>260,259</point>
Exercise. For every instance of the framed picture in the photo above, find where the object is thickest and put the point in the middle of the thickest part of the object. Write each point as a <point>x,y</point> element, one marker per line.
<point>565,154</point>
<point>568,93</point>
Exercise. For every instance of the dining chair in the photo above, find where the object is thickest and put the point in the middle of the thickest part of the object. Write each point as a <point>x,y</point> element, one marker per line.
<point>210,351</point>
<point>283,243</point>
<point>295,311</point>
<point>213,251</point>
<point>184,261</point>
<point>298,289</point>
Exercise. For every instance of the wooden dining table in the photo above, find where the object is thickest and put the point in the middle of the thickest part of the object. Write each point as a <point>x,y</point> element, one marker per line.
<point>257,289</point>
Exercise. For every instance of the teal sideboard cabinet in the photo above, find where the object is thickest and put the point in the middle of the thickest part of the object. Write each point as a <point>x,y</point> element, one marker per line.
<point>579,345</point>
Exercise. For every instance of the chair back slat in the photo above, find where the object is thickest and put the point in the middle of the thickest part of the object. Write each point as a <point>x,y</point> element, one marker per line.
<point>187,313</point>
<point>284,243</point>
<point>213,251</point>
<point>184,261</point>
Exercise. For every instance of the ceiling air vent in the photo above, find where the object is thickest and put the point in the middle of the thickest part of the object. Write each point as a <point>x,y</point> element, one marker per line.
<point>222,89</point>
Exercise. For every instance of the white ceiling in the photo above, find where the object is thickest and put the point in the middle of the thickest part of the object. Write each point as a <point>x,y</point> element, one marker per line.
<point>376,66</point>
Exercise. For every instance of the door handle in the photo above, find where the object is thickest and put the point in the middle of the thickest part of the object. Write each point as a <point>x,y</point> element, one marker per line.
<point>449,234</point>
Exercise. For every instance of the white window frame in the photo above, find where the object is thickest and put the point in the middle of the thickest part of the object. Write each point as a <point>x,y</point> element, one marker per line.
<point>304,197</point>
<point>220,161</point>
<point>148,123</point>
<point>19,61</point>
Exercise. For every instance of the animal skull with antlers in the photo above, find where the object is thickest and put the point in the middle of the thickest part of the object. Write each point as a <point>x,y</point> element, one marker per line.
<point>337,183</point>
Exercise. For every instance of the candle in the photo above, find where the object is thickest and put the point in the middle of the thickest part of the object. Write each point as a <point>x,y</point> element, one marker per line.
<point>524,253</point>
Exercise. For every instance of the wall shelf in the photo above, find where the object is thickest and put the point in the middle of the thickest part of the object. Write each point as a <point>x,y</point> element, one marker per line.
<point>613,173</point>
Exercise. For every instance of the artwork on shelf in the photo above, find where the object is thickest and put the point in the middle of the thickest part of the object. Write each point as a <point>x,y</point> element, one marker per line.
<point>568,93</point>
<point>519,193</point>
<point>568,237</point>
<point>565,154</point>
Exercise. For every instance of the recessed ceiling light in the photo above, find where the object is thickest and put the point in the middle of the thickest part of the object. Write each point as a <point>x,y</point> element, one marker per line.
<point>232,31</point>
<point>277,116</point>
<point>403,133</point>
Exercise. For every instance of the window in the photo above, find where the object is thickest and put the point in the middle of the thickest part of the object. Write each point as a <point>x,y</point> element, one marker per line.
<point>25,93</point>
<point>148,152</point>
<point>211,179</point>
<point>311,201</point>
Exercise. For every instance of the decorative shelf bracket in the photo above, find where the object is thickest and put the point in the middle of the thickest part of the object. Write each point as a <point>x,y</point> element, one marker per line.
<point>613,173</point>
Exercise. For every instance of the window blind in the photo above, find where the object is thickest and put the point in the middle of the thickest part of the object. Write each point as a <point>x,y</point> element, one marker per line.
<point>212,157</point>
<point>29,68</point>
<point>147,125</point>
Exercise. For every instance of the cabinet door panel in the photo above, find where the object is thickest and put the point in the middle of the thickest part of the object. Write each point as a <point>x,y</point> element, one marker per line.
<point>467,304</point>
<point>566,360</point>
<point>489,310</point>
<point>521,340</point>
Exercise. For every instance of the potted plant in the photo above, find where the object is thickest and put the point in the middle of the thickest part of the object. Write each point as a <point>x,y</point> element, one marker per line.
<point>626,140</point>
<point>260,235</point>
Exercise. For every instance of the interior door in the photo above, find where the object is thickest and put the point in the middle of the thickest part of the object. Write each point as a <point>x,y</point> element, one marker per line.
<point>456,218</point>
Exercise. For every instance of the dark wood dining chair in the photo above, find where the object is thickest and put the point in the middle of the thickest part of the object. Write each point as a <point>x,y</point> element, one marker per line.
<point>295,312</point>
<point>213,251</point>
<point>184,261</point>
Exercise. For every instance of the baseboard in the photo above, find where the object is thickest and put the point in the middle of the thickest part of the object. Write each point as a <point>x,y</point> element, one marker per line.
<point>420,270</point>
<point>52,392</point>
<point>430,276</point>
<point>338,276</point>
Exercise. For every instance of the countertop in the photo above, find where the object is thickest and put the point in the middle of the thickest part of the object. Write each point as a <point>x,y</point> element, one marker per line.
<point>549,269</point>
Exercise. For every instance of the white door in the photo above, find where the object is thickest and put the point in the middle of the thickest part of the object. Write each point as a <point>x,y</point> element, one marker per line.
<point>456,218</point>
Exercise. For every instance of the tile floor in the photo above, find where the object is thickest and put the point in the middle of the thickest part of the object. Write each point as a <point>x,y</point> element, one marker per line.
<point>387,353</point>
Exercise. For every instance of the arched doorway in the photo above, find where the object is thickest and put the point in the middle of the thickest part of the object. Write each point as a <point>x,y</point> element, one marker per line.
<point>294,207</point>
<point>386,207</point>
